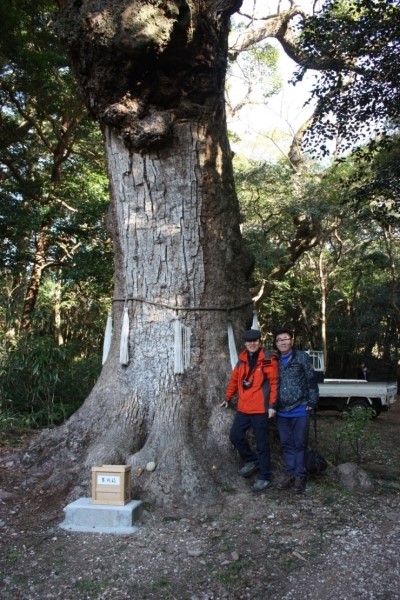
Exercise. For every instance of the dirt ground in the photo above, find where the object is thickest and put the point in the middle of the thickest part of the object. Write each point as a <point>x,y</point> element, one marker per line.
<point>327,543</point>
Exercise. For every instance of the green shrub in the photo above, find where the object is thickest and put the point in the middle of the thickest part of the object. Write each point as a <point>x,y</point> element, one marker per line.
<point>42,383</point>
<point>353,435</point>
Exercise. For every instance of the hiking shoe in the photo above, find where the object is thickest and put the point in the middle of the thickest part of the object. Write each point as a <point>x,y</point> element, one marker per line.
<point>299,485</point>
<point>260,485</point>
<point>248,469</point>
<point>284,481</point>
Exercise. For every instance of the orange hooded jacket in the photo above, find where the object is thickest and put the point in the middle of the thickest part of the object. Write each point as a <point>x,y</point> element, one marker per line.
<point>262,392</point>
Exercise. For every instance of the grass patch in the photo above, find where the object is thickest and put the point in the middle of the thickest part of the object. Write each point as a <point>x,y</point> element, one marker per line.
<point>90,586</point>
<point>231,574</point>
<point>13,556</point>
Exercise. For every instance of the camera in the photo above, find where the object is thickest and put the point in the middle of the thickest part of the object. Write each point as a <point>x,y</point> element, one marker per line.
<point>246,384</point>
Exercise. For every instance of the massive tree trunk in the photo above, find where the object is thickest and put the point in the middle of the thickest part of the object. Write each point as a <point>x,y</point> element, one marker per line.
<point>153,74</point>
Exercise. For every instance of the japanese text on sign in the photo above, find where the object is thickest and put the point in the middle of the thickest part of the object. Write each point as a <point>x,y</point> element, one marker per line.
<point>108,479</point>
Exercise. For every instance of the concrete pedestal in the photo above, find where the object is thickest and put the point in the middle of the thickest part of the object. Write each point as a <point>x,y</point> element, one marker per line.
<point>84,516</point>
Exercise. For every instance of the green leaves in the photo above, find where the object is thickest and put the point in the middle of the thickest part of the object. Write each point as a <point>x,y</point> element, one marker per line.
<point>42,383</point>
<point>357,44</point>
<point>354,433</point>
<point>344,288</point>
<point>55,255</point>
<point>54,191</point>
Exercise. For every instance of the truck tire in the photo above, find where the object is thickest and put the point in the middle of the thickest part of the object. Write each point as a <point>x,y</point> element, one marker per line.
<point>361,404</point>
<point>377,408</point>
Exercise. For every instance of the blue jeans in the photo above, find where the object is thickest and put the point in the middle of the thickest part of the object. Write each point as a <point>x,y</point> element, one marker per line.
<point>259,423</point>
<point>293,435</point>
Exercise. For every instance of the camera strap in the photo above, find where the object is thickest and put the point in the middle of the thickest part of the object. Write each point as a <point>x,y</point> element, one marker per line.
<point>253,358</point>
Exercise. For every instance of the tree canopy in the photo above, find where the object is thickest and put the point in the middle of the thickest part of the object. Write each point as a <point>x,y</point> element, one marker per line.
<point>55,257</point>
<point>354,44</point>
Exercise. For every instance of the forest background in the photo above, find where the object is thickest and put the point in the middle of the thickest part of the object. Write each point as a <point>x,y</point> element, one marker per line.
<point>321,215</point>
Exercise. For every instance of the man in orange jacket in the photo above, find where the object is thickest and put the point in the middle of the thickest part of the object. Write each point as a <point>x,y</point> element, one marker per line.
<point>255,380</point>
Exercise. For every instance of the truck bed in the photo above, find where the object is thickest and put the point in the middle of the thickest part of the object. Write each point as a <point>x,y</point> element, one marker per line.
<point>342,394</point>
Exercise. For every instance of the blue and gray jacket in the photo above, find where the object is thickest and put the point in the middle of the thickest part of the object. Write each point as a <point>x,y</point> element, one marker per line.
<point>297,383</point>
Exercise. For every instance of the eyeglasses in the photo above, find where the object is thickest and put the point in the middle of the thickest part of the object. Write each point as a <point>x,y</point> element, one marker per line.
<point>283,340</point>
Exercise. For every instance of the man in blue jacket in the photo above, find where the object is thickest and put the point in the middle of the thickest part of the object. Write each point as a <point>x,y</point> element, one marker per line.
<point>298,395</point>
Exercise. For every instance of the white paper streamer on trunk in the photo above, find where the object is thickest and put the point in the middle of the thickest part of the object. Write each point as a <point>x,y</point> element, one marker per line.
<point>181,347</point>
<point>124,344</point>
<point>255,324</point>
<point>107,338</point>
<point>232,346</point>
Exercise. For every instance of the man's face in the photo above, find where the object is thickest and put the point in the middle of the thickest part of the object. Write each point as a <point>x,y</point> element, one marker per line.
<point>253,345</point>
<point>284,343</point>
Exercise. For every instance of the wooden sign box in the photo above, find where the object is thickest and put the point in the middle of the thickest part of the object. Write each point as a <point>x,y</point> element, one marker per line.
<point>111,484</point>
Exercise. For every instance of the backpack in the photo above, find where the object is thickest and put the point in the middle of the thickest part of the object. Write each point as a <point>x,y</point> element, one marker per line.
<point>314,463</point>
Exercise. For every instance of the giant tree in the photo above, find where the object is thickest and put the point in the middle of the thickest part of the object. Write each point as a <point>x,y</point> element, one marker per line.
<point>152,73</point>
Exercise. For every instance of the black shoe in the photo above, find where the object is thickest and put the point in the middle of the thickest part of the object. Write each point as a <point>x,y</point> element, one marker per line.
<point>248,469</point>
<point>284,482</point>
<point>299,485</point>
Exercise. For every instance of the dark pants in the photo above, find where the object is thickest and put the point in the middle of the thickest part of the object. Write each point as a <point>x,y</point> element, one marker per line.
<point>293,435</point>
<point>259,423</point>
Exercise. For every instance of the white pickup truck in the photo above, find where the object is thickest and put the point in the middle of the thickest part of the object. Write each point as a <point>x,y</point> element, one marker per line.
<point>350,394</point>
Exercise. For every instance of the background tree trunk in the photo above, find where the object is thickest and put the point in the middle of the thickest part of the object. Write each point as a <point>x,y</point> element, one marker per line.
<point>174,220</point>
<point>39,264</point>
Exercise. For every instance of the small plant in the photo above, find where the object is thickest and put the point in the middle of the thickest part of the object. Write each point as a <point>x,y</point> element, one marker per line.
<point>13,556</point>
<point>88,586</point>
<point>148,506</point>
<point>162,582</point>
<point>228,488</point>
<point>12,424</point>
<point>231,574</point>
<point>353,433</point>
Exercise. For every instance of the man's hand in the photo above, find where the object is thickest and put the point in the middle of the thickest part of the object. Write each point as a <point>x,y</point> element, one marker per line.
<point>271,413</point>
<point>224,404</point>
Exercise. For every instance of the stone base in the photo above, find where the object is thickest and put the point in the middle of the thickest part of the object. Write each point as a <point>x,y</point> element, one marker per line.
<point>84,516</point>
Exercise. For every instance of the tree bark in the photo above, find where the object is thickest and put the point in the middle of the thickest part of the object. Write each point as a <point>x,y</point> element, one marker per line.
<point>174,218</point>
<point>38,266</point>
<point>58,334</point>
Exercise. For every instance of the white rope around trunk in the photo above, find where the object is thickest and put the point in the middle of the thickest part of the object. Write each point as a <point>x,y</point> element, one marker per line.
<point>181,332</point>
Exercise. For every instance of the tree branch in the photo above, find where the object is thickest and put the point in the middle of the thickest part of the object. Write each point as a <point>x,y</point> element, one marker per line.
<point>276,26</point>
<point>279,26</point>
